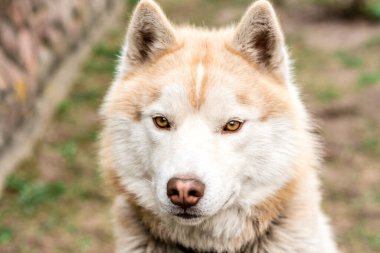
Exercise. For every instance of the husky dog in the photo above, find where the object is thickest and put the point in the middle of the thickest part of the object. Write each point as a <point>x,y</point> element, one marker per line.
<point>207,142</point>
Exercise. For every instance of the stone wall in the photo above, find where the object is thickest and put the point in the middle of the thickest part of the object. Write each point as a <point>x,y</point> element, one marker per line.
<point>35,37</point>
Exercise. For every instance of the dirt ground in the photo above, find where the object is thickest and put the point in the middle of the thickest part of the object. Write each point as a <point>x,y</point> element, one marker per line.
<point>56,202</point>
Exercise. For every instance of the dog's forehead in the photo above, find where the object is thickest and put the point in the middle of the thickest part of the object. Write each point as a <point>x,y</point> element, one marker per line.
<point>197,72</point>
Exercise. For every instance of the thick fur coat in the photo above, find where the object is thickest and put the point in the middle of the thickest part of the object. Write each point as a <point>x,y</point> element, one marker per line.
<point>221,106</point>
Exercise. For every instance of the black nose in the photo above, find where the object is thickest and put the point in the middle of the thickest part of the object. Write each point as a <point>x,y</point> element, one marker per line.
<point>185,191</point>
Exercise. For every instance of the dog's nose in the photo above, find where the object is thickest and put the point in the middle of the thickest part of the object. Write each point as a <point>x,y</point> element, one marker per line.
<point>185,191</point>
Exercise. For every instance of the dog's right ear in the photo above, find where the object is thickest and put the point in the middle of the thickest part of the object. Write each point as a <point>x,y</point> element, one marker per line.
<point>149,34</point>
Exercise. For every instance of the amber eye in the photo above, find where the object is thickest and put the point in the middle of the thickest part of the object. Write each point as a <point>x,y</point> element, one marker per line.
<point>232,126</point>
<point>161,122</point>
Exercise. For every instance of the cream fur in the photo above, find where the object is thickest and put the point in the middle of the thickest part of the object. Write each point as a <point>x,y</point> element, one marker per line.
<point>262,191</point>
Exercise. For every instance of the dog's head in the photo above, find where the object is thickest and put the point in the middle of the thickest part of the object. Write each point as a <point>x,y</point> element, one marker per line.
<point>198,121</point>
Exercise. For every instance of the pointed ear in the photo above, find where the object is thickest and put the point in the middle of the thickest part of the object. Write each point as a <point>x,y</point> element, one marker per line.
<point>149,33</point>
<point>259,37</point>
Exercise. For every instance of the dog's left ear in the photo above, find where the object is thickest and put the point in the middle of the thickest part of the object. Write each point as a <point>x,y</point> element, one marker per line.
<point>259,37</point>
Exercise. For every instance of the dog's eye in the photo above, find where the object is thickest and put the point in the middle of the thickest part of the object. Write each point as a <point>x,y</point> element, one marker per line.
<point>161,122</point>
<point>232,126</point>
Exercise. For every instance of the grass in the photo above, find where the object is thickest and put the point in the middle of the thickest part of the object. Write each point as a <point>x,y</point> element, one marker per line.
<point>368,79</point>
<point>368,236</point>
<point>33,194</point>
<point>102,50</point>
<point>328,94</point>
<point>132,2</point>
<point>370,144</point>
<point>5,235</point>
<point>349,60</point>
<point>373,10</point>
<point>373,42</point>
<point>69,150</point>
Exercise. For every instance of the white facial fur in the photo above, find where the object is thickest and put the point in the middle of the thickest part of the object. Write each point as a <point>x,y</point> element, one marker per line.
<point>241,168</point>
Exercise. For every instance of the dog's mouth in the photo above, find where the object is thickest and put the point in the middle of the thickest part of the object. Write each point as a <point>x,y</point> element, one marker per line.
<point>187,216</point>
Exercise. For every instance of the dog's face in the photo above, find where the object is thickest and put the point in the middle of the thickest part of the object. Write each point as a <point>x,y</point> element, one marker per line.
<point>199,121</point>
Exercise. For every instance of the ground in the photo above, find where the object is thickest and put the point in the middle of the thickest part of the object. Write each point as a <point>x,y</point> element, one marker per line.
<point>56,202</point>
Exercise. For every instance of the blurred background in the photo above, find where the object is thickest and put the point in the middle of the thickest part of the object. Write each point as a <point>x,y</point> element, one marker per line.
<point>57,59</point>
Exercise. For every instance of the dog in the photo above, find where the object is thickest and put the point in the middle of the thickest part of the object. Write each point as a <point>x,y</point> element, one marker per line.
<point>207,143</point>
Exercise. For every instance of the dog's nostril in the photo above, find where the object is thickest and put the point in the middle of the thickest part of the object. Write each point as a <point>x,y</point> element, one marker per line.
<point>185,192</point>
<point>172,192</point>
<point>194,193</point>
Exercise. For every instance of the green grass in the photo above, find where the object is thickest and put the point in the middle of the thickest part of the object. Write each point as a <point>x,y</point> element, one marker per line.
<point>373,42</point>
<point>30,194</point>
<point>63,108</point>
<point>90,136</point>
<point>104,62</point>
<point>98,67</point>
<point>87,96</point>
<point>34,194</point>
<point>132,3</point>
<point>69,150</point>
<point>328,94</point>
<point>368,236</point>
<point>103,50</point>
<point>373,9</point>
<point>348,60</point>
<point>371,144</point>
<point>368,79</point>
<point>5,235</point>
